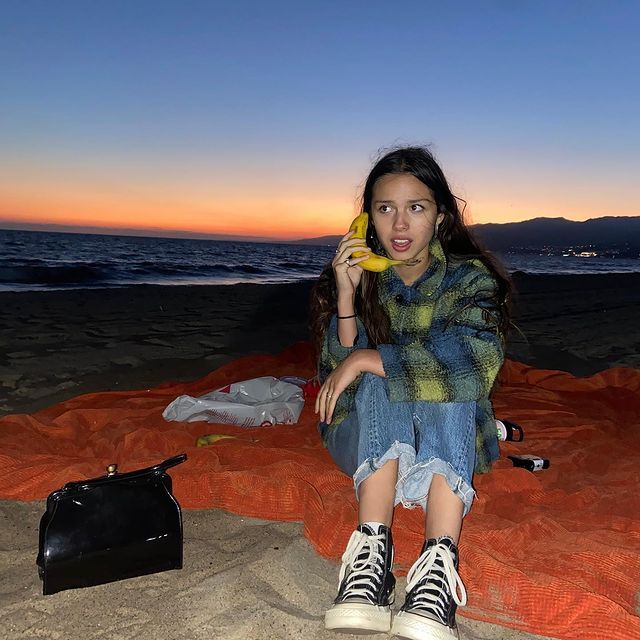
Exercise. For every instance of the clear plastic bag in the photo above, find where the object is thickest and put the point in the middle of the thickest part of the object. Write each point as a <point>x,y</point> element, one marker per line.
<point>251,403</point>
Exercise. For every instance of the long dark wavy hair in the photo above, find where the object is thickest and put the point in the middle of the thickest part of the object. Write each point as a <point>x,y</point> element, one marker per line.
<point>457,242</point>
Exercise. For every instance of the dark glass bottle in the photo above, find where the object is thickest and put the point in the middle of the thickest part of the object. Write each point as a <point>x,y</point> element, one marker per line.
<point>532,463</point>
<point>509,431</point>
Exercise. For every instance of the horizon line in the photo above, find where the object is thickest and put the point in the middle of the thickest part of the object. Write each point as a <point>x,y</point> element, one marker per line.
<point>155,232</point>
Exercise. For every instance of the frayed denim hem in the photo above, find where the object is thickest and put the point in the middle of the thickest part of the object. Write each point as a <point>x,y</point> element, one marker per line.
<point>414,480</point>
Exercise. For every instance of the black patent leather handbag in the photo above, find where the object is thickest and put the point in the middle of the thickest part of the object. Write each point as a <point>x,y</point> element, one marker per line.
<point>117,526</point>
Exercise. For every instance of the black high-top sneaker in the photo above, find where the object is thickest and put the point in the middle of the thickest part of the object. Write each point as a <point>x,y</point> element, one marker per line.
<point>429,611</point>
<point>366,587</point>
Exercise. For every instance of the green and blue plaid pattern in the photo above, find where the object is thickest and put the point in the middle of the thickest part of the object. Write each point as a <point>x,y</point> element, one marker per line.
<point>445,343</point>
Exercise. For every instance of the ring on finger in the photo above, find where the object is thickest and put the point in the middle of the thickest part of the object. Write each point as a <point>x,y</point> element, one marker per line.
<point>348,262</point>
<point>329,395</point>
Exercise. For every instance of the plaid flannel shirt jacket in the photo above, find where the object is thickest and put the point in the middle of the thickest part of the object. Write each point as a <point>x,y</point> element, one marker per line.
<point>445,343</point>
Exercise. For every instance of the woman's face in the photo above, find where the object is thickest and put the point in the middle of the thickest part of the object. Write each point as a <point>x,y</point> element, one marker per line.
<point>404,213</point>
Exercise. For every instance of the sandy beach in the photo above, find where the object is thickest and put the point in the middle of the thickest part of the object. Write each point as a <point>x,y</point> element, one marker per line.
<point>243,578</point>
<point>58,344</point>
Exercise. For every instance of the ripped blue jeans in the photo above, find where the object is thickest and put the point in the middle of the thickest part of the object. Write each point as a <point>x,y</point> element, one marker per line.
<point>425,437</point>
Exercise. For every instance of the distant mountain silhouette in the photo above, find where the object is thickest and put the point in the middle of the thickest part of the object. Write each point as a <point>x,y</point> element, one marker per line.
<point>152,232</point>
<point>605,232</point>
<point>321,240</point>
<point>609,231</point>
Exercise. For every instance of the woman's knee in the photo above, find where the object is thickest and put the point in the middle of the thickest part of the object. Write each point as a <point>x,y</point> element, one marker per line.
<point>371,384</point>
<point>448,413</point>
<point>372,379</point>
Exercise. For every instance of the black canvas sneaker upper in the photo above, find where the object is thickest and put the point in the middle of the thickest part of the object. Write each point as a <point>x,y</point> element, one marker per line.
<point>433,583</point>
<point>365,575</point>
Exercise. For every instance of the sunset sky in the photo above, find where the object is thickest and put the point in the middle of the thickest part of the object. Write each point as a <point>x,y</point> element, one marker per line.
<point>263,118</point>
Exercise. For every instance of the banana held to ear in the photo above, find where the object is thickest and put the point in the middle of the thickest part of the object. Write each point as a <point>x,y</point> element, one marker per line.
<point>374,262</point>
<point>359,226</point>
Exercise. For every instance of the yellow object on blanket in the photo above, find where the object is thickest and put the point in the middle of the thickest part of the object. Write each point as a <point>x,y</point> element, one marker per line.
<point>212,438</point>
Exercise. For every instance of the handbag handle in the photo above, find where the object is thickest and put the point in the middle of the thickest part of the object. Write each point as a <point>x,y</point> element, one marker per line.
<point>113,476</point>
<point>112,469</point>
<point>171,462</point>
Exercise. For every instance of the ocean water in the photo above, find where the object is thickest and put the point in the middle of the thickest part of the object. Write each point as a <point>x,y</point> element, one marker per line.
<point>34,260</point>
<point>544,264</point>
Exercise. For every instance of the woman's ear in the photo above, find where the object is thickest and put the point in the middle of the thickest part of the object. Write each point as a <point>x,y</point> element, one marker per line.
<point>439,218</point>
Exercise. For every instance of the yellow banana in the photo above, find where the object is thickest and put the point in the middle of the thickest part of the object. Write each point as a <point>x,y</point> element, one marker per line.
<point>203,441</point>
<point>359,226</point>
<point>374,262</point>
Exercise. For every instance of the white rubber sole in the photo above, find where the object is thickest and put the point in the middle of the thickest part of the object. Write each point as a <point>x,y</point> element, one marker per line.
<point>414,627</point>
<point>358,618</point>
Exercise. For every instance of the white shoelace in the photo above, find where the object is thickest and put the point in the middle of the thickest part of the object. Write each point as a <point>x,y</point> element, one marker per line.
<point>364,579</point>
<point>432,594</point>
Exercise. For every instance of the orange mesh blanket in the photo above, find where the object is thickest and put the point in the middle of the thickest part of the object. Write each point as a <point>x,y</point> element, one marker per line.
<point>555,552</point>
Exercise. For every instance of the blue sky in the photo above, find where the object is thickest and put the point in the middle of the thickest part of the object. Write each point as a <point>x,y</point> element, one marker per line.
<point>200,110</point>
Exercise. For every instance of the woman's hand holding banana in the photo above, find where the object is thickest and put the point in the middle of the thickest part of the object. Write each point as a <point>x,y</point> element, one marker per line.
<point>345,264</point>
<point>373,262</point>
<point>352,256</point>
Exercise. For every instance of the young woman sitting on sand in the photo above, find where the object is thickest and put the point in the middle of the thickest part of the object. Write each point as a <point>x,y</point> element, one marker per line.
<point>408,358</point>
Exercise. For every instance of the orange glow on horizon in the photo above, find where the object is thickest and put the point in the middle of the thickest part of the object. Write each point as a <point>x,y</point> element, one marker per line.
<point>285,219</point>
<point>288,218</point>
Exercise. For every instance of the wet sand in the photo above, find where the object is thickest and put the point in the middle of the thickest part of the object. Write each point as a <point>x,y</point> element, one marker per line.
<point>58,344</point>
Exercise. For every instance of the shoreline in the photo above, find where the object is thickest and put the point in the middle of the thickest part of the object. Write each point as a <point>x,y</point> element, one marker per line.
<point>42,288</point>
<point>60,344</point>
<point>63,343</point>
